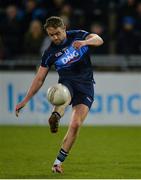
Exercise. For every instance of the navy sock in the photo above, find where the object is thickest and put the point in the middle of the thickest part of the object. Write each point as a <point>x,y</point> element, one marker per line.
<point>62,155</point>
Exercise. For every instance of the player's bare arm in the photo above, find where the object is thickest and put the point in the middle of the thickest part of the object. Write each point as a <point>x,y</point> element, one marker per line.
<point>91,39</point>
<point>35,86</point>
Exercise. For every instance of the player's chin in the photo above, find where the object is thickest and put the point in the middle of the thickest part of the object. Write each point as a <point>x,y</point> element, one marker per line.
<point>57,42</point>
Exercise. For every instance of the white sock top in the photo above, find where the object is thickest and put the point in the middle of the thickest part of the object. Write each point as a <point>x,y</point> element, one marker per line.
<point>57,161</point>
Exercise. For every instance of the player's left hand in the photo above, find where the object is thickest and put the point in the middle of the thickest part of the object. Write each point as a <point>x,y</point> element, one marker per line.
<point>78,44</point>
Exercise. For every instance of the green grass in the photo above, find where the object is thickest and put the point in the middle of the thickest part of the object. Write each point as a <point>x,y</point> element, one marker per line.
<point>99,152</point>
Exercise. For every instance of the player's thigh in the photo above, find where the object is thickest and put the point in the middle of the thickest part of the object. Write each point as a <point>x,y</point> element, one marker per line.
<point>79,113</point>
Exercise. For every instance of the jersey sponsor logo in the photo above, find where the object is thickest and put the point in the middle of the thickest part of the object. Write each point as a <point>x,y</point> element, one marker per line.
<point>69,56</point>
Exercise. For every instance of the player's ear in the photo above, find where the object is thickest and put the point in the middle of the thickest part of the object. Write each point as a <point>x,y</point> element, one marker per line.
<point>64,28</point>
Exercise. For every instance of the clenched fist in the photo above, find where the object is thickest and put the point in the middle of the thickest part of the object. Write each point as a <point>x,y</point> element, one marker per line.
<point>78,44</point>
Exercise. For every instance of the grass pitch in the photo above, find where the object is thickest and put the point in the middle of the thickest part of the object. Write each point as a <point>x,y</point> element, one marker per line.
<point>99,152</point>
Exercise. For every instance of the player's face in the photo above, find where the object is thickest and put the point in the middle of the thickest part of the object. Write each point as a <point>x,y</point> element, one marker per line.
<point>57,35</point>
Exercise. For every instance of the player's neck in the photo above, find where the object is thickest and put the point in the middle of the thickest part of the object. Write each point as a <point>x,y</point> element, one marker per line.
<point>64,41</point>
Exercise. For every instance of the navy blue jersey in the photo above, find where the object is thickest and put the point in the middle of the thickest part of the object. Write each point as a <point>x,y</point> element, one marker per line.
<point>70,63</point>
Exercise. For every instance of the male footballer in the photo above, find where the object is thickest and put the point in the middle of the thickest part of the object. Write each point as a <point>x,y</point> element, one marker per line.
<point>69,53</point>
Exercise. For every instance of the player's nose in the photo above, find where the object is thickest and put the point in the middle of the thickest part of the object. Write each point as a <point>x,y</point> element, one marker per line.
<point>55,37</point>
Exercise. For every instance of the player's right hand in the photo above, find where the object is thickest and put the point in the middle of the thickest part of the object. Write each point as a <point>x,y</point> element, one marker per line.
<point>78,44</point>
<point>18,108</point>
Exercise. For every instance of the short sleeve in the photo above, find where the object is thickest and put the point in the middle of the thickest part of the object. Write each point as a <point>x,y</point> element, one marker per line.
<point>46,60</point>
<point>82,34</point>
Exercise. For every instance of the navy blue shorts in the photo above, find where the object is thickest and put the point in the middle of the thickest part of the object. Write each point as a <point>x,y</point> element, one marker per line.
<point>80,93</point>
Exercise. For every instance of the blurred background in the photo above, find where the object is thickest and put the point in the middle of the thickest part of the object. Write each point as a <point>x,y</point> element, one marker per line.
<point>118,22</point>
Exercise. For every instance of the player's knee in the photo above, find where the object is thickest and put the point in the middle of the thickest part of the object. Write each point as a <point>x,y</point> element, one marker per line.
<point>75,124</point>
